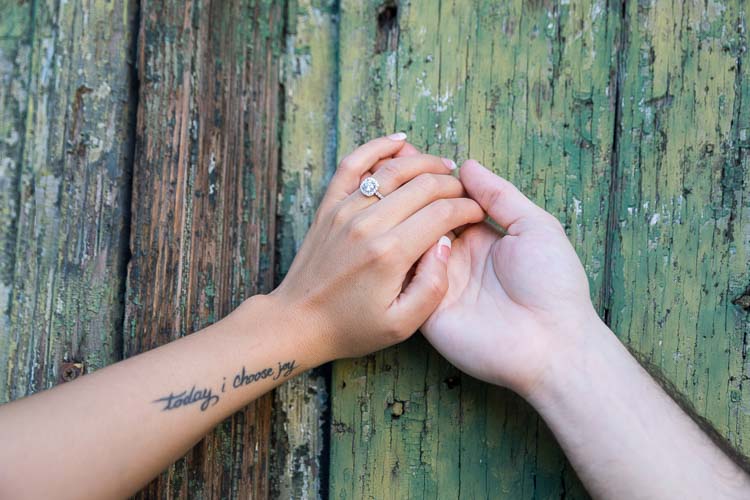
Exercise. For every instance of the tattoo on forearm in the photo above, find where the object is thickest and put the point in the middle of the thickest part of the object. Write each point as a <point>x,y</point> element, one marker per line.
<point>189,397</point>
<point>208,397</point>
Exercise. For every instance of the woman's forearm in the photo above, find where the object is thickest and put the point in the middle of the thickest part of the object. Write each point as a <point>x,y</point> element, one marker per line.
<point>624,435</point>
<point>107,434</point>
<point>346,294</point>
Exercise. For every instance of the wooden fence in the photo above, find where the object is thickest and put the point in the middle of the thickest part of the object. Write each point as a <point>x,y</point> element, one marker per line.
<point>160,160</point>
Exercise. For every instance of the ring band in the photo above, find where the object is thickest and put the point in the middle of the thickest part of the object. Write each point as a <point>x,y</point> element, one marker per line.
<point>369,187</point>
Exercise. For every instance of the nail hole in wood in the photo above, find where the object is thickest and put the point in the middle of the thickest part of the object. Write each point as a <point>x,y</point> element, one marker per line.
<point>387,36</point>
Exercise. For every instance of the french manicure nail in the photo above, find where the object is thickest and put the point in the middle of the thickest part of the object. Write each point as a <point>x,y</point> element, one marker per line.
<point>444,248</point>
<point>398,136</point>
<point>449,163</point>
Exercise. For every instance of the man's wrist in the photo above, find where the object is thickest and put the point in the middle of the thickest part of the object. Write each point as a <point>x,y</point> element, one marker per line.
<point>574,368</point>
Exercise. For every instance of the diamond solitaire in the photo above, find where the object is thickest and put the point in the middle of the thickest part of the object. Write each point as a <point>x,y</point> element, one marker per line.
<point>369,187</point>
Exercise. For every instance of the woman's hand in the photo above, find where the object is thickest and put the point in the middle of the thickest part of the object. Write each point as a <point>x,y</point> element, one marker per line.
<point>347,281</point>
<point>514,301</point>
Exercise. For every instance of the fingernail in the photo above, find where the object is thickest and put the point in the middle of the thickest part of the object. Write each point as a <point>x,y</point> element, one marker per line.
<point>449,163</point>
<point>444,248</point>
<point>398,136</point>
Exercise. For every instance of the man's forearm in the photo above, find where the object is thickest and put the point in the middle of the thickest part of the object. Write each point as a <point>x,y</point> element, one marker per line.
<point>124,424</point>
<point>620,429</point>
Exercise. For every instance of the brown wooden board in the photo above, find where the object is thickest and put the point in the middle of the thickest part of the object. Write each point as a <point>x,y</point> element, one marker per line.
<point>204,205</point>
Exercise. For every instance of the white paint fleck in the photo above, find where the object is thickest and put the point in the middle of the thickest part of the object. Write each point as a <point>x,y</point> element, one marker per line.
<point>12,138</point>
<point>102,91</point>
<point>4,296</point>
<point>212,163</point>
<point>596,11</point>
<point>48,47</point>
<point>96,146</point>
<point>714,9</point>
<point>7,165</point>
<point>654,219</point>
<point>441,101</point>
<point>577,207</point>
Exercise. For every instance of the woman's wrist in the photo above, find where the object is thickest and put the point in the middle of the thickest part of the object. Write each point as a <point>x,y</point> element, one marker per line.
<point>290,324</point>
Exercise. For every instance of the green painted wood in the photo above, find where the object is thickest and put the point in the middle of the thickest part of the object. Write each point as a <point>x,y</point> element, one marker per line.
<point>204,206</point>
<point>527,88</point>
<point>680,247</point>
<point>66,126</point>
<point>15,54</point>
<point>629,121</point>
<point>308,159</point>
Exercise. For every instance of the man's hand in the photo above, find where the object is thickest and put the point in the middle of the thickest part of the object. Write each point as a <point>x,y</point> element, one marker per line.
<point>515,300</point>
<point>517,313</point>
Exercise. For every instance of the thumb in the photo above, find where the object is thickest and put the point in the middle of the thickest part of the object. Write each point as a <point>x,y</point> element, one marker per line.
<point>427,288</point>
<point>498,197</point>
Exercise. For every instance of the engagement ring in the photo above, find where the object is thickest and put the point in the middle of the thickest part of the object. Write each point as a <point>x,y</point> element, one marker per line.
<point>369,187</point>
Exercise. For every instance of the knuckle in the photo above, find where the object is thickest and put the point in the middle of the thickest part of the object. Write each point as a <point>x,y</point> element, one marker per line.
<point>436,287</point>
<point>427,182</point>
<point>395,333</point>
<point>347,163</point>
<point>454,185</point>
<point>477,214</point>
<point>358,229</point>
<point>339,217</point>
<point>390,171</point>
<point>495,196</point>
<point>553,221</point>
<point>382,249</point>
<point>442,209</point>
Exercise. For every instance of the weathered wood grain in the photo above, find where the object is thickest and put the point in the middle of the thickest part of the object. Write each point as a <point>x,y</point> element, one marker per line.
<point>204,205</point>
<point>15,52</point>
<point>308,156</point>
<point>630,125</point>
<point>528,89</point>
<point>680,241</point>
<point>66,126</point>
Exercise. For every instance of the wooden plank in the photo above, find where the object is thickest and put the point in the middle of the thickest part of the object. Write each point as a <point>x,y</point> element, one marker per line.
<point>204,205</point>
<point>67,118</point>
<point>681,233</point>
<point>307,161</point>
<point>527,88</point>
<point>15,52</point>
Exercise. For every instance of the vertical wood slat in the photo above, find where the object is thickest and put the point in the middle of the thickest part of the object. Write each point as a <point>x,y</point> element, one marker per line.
<point>681,233</point>
<point>307,162</point>
<point>673,277</point>
<point>15,55</point>
<point>527,88</point>
<point>203,220</point>
<point>67,111</point>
